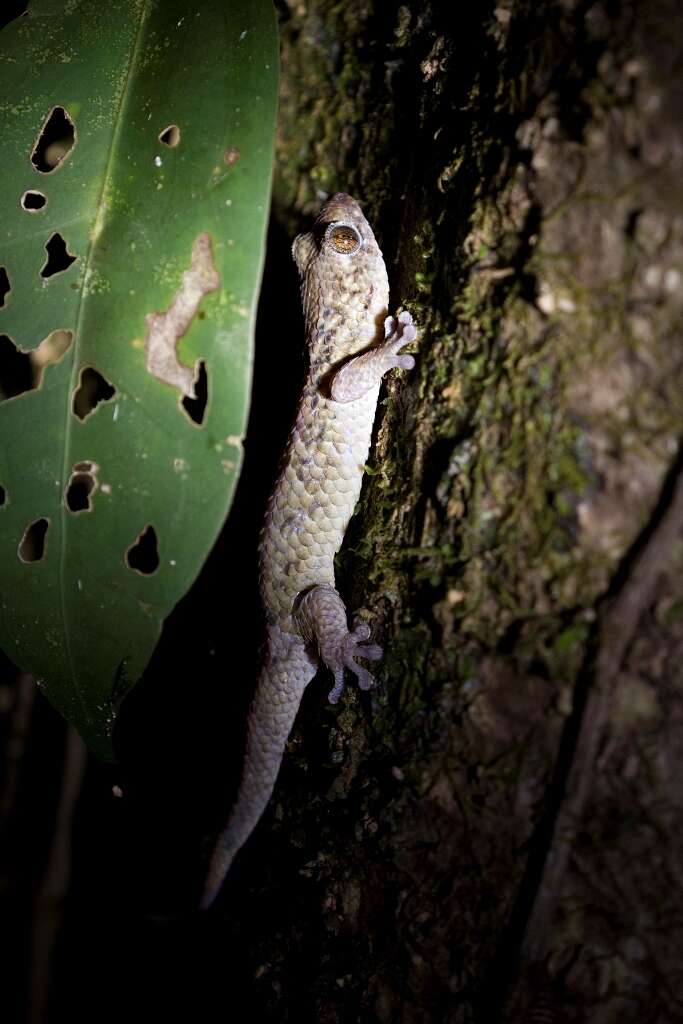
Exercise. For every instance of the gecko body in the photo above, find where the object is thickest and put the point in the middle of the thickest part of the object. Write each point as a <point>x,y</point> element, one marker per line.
<point>351,344</point>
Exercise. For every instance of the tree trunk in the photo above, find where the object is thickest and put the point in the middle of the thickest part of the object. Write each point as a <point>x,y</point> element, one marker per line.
<point>521,165</point>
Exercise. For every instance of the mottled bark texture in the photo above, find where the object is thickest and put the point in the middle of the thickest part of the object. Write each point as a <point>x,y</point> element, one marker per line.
<point>522,164</point>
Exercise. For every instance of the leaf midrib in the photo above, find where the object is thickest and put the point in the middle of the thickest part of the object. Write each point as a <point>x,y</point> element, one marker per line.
<point>69,419</point>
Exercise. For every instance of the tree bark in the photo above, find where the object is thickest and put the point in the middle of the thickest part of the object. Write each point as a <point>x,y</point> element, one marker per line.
<point>521,164</point>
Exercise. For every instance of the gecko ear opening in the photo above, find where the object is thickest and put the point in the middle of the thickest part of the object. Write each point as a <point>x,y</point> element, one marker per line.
<point>303,249</point>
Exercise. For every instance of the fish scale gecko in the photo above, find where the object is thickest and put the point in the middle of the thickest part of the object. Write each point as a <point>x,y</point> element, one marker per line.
<point>351,344</point>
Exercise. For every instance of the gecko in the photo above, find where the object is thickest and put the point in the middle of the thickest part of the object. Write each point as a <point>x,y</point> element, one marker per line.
<point>351,343</point>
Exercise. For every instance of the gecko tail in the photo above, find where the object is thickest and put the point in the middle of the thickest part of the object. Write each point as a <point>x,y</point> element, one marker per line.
<point>225,849</point>
<point>271,717</point>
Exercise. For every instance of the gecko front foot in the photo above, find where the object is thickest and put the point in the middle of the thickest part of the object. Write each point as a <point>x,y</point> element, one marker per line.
<point>358,375</point>
<point>398,331</point>
<point>321,616</point>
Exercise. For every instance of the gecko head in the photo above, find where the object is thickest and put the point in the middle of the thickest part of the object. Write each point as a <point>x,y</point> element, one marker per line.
<point>341,237</point>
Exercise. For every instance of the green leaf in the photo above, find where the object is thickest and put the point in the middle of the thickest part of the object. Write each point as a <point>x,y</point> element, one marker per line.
<point>146,194</point>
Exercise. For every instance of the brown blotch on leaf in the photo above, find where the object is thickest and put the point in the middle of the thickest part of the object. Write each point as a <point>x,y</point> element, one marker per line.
<point>164,330</point>
<point>49,352</point>
<point>231,156</point>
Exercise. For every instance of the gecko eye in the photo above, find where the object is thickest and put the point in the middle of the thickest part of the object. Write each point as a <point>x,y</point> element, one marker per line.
<point>344,239</point>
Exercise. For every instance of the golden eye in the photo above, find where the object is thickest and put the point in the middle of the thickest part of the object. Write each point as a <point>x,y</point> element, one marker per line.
<point>344,239</point>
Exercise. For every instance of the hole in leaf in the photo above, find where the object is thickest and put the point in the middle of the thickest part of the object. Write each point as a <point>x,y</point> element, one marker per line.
<point>196,407</point>
<point>5,286</point>
<point>58,258</point>
<point>170,136</point>
<point>3,495</point>
<point>23,371</point>
<point>81,485</point>
<point>32,546</point>
<point>55,142</point>
<point>16,372</point>
<point>92,389</point>
<point>142,555</point>
<point>33,201</point>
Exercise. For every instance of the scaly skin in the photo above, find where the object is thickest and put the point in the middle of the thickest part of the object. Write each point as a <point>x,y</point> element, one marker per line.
<point>345,294</point>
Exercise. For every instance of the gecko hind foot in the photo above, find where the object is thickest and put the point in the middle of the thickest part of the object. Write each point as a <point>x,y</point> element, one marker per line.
<point>354,646</point>
<point>321,616</point>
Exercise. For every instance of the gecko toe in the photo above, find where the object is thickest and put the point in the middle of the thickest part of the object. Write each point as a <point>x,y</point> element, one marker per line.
<point>338,688</point>
<point>361,631</point>
<point>373,652</point>
<point>365,679</point>
<point>352,650</point>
